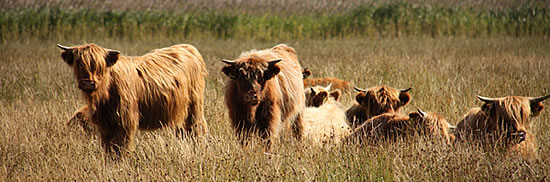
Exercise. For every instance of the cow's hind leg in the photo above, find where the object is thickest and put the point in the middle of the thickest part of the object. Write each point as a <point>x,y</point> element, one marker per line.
<point>195,123</point>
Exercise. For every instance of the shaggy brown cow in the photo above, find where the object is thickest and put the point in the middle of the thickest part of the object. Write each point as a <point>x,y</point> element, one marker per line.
<point>503,121</point>
<point>162,88</point>
<point>317,95</point>
<point>265,92</point>
<point>336,83</point>
<point>392,126</point>
<point>375,101</point>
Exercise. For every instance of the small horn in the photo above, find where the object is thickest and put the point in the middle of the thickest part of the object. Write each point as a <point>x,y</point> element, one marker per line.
<point>406,90</point>
<point>359,90</point>
<point>539,99</point>
<point>271,63</point>
<point>229,62</point>
<point>486,99</point>
<point>328,87</point>
<point>451,126</point>
<point>65,48</point>
<point>422,113</point>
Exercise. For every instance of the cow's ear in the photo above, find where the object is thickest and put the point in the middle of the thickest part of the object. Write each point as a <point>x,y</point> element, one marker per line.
<point>487,107</point>
<point>360,97</point>
<point>536,104</point>
<point>415,116</point>
<point>335,94</point>
<point>68,57</point>
<point>404,98</point>
<point>112,57</point>
<point>67,54</point>
<point>272,69</point>
<point>230,69</point>
<point>536,108</point>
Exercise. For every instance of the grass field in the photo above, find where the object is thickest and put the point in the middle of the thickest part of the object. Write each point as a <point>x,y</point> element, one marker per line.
<point>38,94</point>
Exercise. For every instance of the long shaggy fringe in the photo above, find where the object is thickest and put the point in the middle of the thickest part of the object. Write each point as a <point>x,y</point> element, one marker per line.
<point>491,122</point>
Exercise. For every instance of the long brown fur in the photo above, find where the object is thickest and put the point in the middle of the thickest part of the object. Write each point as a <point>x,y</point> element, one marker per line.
<point>375,101</point>
<point>263,95</point>
<point>504,122</point>
<point>162,88</point>
<point>336,83</point>
<point>394,126</point>
<point>80,118</point>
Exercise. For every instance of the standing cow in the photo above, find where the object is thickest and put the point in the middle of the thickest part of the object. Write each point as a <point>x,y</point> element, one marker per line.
<point>375,101</point>
<point>162,88</point>
<point>503,121</point>
<point>265,92</point>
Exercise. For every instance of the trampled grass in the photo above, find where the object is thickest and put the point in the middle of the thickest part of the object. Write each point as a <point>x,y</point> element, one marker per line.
<point>38,94</point>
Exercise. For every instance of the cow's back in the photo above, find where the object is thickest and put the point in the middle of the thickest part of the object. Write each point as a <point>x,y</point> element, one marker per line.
<point>291,85</point>
<point>169,76</point>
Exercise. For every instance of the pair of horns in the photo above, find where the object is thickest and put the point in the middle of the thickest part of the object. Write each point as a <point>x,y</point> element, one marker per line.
<point>423,114</point>
<point>532,100</point>
<point>401,90</point>
<point>271,63</point>
<point>326,88</point>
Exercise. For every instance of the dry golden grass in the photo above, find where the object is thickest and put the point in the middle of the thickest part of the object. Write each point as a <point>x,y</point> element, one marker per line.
<point>38,94</point>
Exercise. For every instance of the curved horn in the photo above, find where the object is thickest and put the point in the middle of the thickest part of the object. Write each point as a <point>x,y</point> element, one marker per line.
<point>359,90</point>
<point>422,113</point>
<point>229,62</point>
<point>451,126</point>
<point>539,99</point>
<point>271,63</point>
<point>486,99</point>
<point>405,90</point>
<point>65,48</point>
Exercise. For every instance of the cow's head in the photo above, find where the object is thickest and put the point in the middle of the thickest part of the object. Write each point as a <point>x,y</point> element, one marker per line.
<point>509,116</point>
<point>431,124</point>
<point>317,95</point>
<point>90,63</point>
<point>251,75</point>
<point>382,99</point>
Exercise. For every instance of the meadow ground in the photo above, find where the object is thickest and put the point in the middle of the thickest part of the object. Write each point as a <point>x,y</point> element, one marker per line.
<point>38,94</point>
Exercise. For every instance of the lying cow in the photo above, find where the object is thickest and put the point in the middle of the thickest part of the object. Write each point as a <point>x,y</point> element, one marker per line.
<point>394,126</point>
<point>336,83</point>
<point>375,101</point>
<point>503,121</point>
<point>317,95</point>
